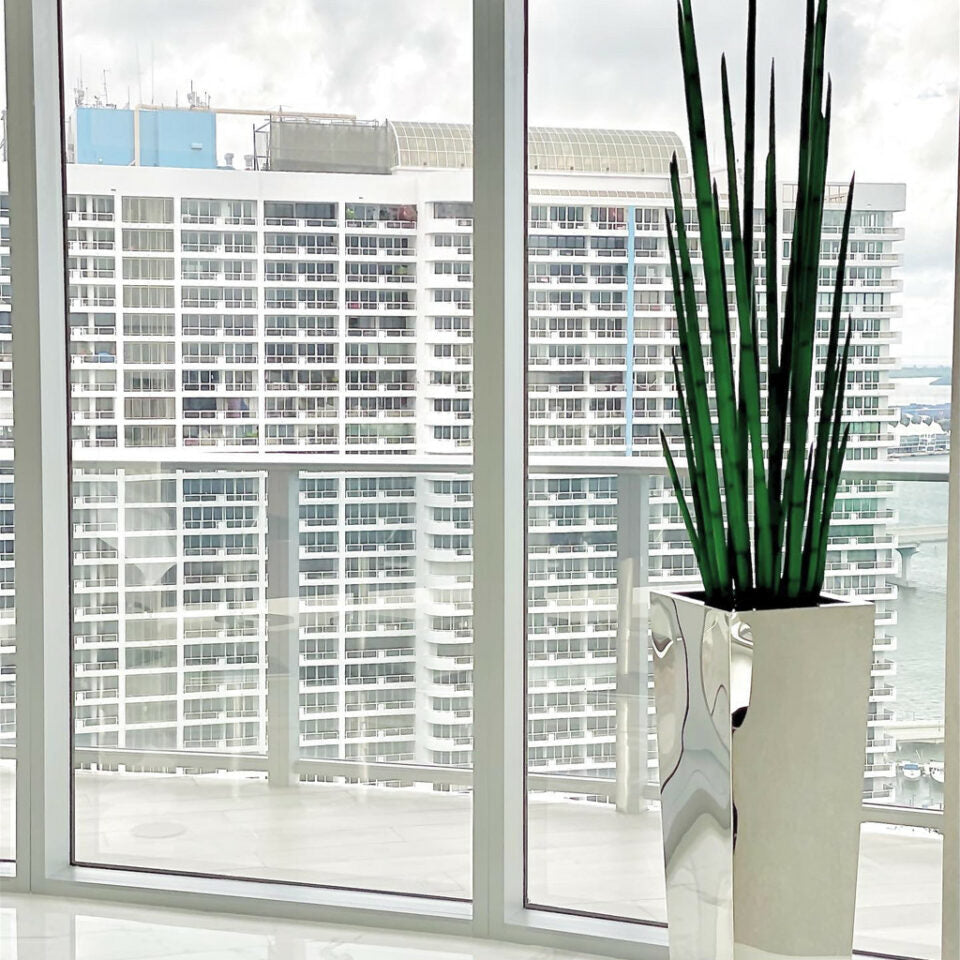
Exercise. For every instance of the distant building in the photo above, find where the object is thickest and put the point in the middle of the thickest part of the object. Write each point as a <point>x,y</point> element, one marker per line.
<point>323,304</point>
<point>919,436</point>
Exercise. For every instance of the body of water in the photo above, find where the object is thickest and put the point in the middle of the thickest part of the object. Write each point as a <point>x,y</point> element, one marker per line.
<point>920,630</point>
<point>922,390</point>
<point>922,606</point>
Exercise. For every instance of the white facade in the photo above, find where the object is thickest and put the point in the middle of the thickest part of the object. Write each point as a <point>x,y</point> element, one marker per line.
<point>262,312</point>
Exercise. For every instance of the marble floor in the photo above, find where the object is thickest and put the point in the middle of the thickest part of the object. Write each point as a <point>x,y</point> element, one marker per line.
<point>47,928</point>
<point>583,856</point>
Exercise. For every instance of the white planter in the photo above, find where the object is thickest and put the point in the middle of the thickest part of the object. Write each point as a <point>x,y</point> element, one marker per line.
<point>789,779</point>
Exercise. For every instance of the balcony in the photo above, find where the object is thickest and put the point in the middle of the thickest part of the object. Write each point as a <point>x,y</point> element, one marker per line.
<point>243,762</point>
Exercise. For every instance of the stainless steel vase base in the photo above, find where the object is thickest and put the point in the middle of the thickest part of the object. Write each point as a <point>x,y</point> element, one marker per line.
<point>761,728</point>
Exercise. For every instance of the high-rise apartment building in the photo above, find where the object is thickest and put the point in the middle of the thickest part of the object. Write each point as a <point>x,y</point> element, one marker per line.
<point>322,306</point>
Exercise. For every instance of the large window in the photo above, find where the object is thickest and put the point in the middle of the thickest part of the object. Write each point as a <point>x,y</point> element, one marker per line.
<point>602,331</point>
<point>350,473</point>
<point>272,667</point>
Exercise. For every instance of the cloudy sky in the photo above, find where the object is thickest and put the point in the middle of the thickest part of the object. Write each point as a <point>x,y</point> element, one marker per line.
<point>592,62</point>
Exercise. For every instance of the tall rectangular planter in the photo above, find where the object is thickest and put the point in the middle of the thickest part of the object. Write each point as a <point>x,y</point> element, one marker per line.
<point>761,730</point>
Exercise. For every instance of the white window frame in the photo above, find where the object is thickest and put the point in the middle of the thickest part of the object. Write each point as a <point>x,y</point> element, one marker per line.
<point>44,782</point>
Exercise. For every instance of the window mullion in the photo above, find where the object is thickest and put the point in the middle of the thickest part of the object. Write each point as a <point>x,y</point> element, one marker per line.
<point>499,450</point>
<point>951,788</point>
<point>40,418</point>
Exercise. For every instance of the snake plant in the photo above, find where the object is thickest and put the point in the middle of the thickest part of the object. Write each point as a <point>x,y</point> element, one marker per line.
<point>758,515</point>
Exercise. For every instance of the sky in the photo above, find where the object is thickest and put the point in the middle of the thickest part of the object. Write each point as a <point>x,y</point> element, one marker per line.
<point>894,63</point>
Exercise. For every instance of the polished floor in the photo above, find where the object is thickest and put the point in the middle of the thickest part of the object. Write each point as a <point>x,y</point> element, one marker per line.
<point>583,856</point>
<point>46,928</point>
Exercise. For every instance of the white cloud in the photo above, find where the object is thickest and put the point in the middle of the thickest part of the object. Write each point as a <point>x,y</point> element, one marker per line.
<point>602,63</point>
<point>894,67</point>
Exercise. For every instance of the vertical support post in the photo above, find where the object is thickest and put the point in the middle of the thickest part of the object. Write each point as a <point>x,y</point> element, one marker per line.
<point>950,946</point>
<point>136,136</point>
<point>41,484</point>
<point>631,330</point>
<point>283,625</point>
<point>499,401</point>
<point>633,524</point>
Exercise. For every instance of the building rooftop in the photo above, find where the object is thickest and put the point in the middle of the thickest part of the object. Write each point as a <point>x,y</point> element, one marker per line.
<point>292,142</point>
<point>568,149</point>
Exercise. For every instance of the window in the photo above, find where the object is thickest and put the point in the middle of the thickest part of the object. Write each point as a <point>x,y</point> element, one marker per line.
<point>147,296</point>
<point>273,522</point>
<point>147,210</point>
<point>602,382</point>
<point>314,214</point>
<point>141,268</point>
<point>148,240</point>
<point>227,360</point>
<point>148,353</point>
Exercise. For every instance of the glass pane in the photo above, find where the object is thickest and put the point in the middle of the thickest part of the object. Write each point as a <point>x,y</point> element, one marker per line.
<point>899,892</point>
<point>602,329</point>
<point>272,666</point>
<point>911,672</point>
<point>8,644</point>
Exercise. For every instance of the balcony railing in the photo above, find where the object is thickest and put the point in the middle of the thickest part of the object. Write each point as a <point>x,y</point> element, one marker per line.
<point>285,764</point>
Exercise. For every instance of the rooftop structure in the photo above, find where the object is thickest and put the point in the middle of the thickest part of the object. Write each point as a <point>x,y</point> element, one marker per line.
<point>145,136</point>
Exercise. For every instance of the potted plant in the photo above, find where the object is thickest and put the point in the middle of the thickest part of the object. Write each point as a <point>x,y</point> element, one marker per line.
<point>762,681</point>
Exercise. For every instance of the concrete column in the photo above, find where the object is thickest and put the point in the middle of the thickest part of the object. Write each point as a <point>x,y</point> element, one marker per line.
<point>633,513</point>
<point>906,551</point>
<point>283,625</point>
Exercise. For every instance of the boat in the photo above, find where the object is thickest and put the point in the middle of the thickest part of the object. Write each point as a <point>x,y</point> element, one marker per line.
<point>911,770</point>
<point>935,769</point>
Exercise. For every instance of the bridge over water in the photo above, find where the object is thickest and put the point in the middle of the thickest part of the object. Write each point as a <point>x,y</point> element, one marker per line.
<point>910,539</point>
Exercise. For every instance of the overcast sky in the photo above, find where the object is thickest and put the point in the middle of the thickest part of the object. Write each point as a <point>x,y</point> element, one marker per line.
<point>592,63</point>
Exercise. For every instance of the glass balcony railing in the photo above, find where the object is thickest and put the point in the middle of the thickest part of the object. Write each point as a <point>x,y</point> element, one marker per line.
<point>196,676</point>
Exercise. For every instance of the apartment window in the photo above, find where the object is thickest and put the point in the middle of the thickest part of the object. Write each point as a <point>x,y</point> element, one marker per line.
<point>147,209</point>
<point>153,436</point>
<point>90,207</point>
<point>149,381</point>
<point>462,241</point>
<point>544,245</point>
<point>608,216</point>
<point>137,352</point>
<point>154,241</point>
<point>144,268</point>
<point>239,242</point>
<point>211,211</point>
<point>453,211</point>
<point>650,219</point>
<point>149,297</point>
<point>281,212</point>
<point>150,408</point>
<point>369,212</point>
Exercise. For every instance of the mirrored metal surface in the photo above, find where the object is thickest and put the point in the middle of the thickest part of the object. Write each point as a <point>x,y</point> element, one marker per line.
<point>691,645</point>
<point>761,720</point>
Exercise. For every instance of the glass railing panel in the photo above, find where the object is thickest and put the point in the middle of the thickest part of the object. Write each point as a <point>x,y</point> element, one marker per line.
<point>905,745</point>
<point>899,892</point>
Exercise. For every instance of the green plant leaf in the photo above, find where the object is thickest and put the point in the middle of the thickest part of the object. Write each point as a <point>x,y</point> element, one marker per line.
<point>708,568</point>
<point>790,486</point>
<point>682,503</point>
<point>691,353</point>
<point>829,400</point>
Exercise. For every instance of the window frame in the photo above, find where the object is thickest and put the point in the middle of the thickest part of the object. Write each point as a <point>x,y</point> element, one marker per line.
<point>43,469</point>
